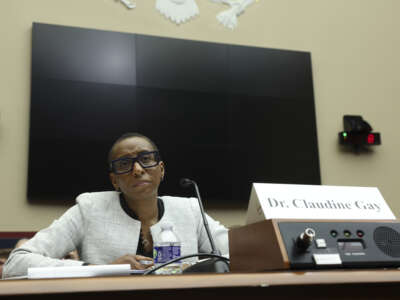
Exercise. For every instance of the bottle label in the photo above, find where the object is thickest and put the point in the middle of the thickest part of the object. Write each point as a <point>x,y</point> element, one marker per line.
<point>162,254</point>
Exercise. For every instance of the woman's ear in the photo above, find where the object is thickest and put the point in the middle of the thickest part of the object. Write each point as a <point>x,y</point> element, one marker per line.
<point>113,180</point>
<point>162,168</point>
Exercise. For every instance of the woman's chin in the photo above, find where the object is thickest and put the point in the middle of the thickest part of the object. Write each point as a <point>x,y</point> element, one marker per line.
<point>143,191</point>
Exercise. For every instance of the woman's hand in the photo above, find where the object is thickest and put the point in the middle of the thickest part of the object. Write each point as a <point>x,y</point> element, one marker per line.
<point>134,261</point>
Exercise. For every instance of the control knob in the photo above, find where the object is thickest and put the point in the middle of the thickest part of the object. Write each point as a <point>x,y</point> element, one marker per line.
<point>305,239</point>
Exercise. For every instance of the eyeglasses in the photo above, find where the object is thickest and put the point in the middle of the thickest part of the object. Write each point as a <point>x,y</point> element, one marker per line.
<point>125,164</point>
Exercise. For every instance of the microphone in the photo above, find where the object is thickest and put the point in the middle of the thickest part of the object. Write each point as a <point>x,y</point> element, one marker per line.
<point>185,182</point>
<point>214,264</point>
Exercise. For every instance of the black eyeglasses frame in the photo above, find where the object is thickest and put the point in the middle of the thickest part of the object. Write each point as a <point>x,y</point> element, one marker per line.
<point>134,160</point>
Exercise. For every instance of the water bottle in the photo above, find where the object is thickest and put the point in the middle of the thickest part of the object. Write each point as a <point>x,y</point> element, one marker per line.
<point>167,247</point>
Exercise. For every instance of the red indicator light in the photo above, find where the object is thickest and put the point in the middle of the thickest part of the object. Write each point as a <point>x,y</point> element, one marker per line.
<point>370,138</point>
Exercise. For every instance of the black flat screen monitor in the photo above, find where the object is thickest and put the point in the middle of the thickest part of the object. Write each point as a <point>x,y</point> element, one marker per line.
<point>222,115</point>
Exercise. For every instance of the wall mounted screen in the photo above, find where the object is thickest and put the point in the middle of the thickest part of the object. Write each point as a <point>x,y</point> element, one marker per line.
<point>222,115</point>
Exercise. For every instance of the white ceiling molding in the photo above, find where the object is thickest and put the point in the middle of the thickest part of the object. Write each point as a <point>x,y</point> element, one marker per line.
<point>178,11</point>
<point>181,11</point>
<point>129,4</point>
<point>228,18</point>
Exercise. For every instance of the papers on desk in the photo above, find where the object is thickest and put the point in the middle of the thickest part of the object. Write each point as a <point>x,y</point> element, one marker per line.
<point>79,271</point>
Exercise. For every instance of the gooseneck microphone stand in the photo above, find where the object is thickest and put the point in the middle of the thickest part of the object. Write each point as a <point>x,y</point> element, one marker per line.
<point>214,264</point>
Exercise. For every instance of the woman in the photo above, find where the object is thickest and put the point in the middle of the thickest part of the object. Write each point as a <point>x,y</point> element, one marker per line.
<point>120,227</point>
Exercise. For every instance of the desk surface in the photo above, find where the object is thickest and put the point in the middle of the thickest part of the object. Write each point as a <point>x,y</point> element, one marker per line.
<point>285,280</point>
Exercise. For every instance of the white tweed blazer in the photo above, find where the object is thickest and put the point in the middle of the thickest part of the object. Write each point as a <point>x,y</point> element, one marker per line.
<point>101,231</point>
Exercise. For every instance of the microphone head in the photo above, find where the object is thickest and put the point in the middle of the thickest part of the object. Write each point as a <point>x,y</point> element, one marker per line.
<point>185,182</point>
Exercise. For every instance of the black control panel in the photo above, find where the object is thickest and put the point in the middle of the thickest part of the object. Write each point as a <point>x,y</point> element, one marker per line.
<point>341,244</point>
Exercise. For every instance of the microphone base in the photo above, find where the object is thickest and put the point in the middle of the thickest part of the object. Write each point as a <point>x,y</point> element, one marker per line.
<point>212,265</point>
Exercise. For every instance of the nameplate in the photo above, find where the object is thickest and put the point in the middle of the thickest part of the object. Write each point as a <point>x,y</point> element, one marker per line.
<point>293,201</point>
<point>78,271</point>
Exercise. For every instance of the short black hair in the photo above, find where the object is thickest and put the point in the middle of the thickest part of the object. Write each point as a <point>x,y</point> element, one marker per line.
<point>127,136</point>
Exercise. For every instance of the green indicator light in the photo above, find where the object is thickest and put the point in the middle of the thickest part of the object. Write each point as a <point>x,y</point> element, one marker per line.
<point>344,134</point>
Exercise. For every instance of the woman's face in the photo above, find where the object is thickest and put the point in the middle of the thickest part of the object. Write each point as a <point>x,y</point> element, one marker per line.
<point>140,183</point>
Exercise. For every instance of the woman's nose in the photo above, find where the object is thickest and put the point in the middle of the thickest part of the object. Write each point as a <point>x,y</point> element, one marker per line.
<point>137,169</point>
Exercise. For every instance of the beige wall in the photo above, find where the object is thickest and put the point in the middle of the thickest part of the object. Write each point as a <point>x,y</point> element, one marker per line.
<point>355,50</point>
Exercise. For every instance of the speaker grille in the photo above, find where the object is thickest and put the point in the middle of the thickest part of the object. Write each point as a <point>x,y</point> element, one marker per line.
<point>387,240</point>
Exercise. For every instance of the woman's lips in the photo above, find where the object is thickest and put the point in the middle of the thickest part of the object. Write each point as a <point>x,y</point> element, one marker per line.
<point>141,183</point>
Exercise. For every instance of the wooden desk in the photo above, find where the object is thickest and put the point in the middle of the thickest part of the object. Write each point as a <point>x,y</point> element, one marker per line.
<point>337,284</point>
